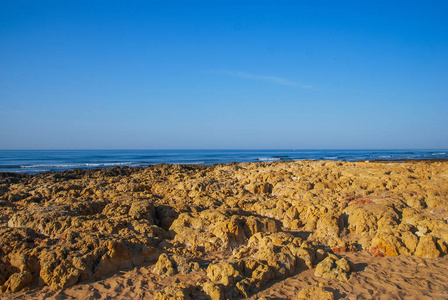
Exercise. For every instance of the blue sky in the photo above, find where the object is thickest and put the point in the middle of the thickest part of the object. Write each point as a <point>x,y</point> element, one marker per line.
<point>223,74</point>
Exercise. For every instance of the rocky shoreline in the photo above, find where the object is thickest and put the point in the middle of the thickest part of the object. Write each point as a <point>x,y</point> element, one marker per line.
<point>237,229</point>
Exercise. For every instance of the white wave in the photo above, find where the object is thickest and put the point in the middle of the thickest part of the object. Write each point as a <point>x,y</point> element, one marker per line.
<point>442,153</point>
<point>52,166</point>
<point>110,164</point>
<point>190,163</point>
<point>331,157</point>
<point>268,158</point>
<point>25,170</point>
<point>76,165</point>
<point>385,156</point>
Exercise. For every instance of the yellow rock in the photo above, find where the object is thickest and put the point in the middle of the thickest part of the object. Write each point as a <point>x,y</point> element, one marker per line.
<point>312,292</point>
<point>427,247</point>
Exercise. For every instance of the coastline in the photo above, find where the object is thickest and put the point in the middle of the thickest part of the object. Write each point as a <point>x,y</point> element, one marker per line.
<point>40,161</point>
<point>426,160</point>
<point>228,230</point>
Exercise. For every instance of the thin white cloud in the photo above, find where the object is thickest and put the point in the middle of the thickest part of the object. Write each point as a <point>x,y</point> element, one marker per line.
<point>266,78</point>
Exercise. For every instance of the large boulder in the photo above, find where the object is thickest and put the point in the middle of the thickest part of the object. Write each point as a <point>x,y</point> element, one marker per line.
<point>333,267</point>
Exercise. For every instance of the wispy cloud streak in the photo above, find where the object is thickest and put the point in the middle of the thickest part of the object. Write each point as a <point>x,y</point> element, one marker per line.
<point>266,78</point>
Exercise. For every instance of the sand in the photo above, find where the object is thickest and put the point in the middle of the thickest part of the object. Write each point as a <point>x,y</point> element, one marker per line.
<point>265,230</point>
<point>402,277</point>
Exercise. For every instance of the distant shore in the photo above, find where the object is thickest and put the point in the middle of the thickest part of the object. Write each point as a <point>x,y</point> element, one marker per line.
<point>429,160</point>
<point>38,161</point>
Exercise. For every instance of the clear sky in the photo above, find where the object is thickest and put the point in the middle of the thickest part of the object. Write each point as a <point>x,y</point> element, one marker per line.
<point>223,74</point>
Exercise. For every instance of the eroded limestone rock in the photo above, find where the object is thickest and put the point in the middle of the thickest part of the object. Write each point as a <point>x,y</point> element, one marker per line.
<point>333,267</point>
<point>267,220</point>
<point>314,292</point>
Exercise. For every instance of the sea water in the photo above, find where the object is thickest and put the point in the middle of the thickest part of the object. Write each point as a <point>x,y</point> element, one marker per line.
<point>35,161</point>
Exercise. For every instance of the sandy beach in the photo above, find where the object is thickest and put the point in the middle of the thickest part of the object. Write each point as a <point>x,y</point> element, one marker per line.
<point>281,230</point>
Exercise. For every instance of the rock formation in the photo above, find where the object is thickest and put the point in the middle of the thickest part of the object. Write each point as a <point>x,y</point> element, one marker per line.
<point>264,222</point>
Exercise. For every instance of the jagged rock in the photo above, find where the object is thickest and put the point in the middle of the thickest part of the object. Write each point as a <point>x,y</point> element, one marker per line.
<point>259,188</point>
<point>265,258</point>
<point>226,273</point>
<point>328,228</point>
<point>291,246</point>
<point>142,210</point>
<point>427,247</point>
<point>215,292</point>
<point>118,256</point>
<point>281,259</point>
<point>333,267</point>
<point>168,266</point>
<point>409,240</point>
<point>17,281</point>
<point>259,272</point>
<point>164,266</point>
<point>175,292</point>
<point>388,243</point>
<point>68,227</point>
<point>212,228</point>
<point>313,292</point>
<point>370,217</point>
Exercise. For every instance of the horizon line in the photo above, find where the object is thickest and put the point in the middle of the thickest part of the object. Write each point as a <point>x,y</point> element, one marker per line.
<point>229,149</point>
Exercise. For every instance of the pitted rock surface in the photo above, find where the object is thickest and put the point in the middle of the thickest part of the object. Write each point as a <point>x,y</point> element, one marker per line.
<point>268,221</point>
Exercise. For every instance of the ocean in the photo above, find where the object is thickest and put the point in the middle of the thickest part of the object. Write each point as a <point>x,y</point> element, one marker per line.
<point>36,161</point>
